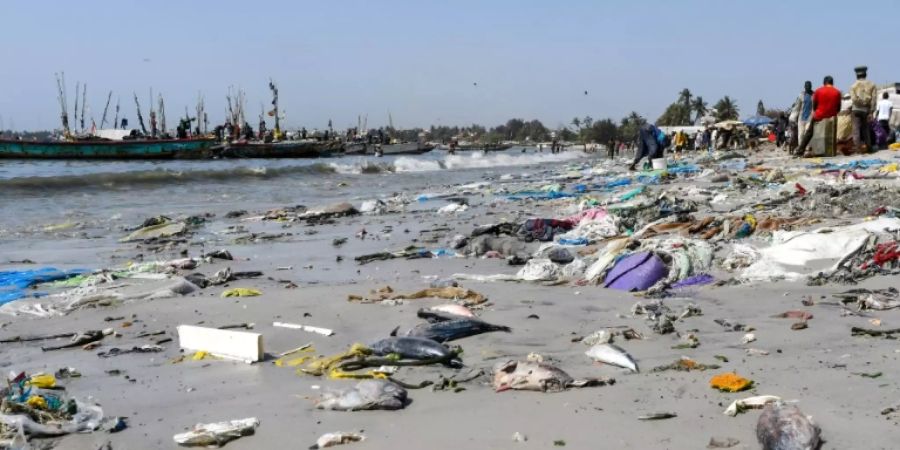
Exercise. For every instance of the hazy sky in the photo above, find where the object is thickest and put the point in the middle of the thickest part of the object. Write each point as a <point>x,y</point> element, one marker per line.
<point>419,59</point>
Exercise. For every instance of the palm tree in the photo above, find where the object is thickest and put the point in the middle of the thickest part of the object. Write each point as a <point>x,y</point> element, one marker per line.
<point>634,117</point>
<point>726,109</point>
<point>699,107</point>
<point>576,122</point>
<point>685,97</point>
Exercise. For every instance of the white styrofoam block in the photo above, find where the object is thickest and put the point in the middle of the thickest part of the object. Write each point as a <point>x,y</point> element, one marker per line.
<point>239,345</point>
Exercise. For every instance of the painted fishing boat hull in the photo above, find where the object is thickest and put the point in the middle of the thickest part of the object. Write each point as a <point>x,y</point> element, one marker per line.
<point>483,147</point>
<point>99,149</point>
<point>303,149</point>
<point>406,148</point>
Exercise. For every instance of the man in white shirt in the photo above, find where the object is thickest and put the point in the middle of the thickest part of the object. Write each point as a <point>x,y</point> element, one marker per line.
<point>883,111</point>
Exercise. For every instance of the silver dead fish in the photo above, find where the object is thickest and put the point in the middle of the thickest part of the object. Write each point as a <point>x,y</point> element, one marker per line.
<point>535,376</point>
<point>366,395</point>
<point>612,355</point>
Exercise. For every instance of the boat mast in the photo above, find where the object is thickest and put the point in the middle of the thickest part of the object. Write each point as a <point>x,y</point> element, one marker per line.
<point>116,120</point>
<point>242,102</point>
<point>77,95</point>
<point>199,108</point>
<point>231,116</point>
<point>277,131</point>
<point>140,117</point>
<point>154,131</point>
<point>83,104</point>
<point>162,115</point>
<point>64,113</point>
<point>105,110</point>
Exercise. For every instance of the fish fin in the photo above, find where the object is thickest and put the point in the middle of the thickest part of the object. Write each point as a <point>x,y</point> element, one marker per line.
<point>395,330</point>
<point>589,382</point>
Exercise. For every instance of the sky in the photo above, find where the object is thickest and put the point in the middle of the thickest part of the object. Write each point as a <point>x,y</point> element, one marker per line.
<point>430,62</point>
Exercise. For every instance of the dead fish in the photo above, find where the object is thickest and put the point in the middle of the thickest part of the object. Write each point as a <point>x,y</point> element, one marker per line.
<point>415,348</point>
<point>536,376</point>
<point>722,442</point>
<point>731,326</point>
<point>366,395</point>
<point>794,314</point>
<point>743,404</point>
<point>451,309</point>
<point>784,427</point>
<point>454,329</point>
<point>336,438</point>
<point>658,416</point>
<point>80,339</point>
<point>878,302</point>
<point>612,355</point>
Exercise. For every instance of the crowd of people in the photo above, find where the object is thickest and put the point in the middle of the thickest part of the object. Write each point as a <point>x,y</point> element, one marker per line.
<point>859,122</point>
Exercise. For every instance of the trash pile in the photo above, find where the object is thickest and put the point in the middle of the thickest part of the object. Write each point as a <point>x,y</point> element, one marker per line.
<point>671,238</point>
<point>36,405</point>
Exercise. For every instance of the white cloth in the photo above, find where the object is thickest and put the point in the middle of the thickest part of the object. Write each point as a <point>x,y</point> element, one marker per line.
<point>884,109</point>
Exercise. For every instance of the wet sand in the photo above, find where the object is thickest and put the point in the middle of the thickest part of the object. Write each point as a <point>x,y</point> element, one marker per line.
<point>816,366</point>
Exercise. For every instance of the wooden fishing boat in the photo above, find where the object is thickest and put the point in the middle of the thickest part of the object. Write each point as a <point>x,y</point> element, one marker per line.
<point>107,149</point>
<point>403,148</point>
<point>284,149</point>
<point>483,147</point>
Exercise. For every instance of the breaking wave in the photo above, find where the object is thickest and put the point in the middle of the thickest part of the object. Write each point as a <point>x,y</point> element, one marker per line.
<point>401,164</point>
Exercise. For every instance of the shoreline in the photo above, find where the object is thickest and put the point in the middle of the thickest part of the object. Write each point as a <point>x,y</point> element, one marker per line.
<point>165,398</point>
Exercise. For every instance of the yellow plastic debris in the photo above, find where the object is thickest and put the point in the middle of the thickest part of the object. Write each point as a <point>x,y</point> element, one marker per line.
<point>730,382</point>
<point>199,355</point>
<point>36,402</point>
<point>42,380</point>
<point>895,146</point>
<point>241,292</point>
<point>337,374</point>
<point>888,168</point>
<point>321,366</point>
<point>292,362</point>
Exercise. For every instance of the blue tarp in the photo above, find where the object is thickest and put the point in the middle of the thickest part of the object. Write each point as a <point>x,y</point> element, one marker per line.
<point>850,165</point>
<point>13,283</point>
<point>756,121</point>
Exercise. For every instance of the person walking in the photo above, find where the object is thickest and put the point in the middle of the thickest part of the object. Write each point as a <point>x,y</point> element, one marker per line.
<point>826,103</point>
<point>863,98</point>
<point>883,110</point>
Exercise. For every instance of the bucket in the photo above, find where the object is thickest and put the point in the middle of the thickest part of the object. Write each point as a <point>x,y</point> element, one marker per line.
<point>659,163</point>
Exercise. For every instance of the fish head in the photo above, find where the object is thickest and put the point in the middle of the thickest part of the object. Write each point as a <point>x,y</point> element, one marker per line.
<point>529,376</point>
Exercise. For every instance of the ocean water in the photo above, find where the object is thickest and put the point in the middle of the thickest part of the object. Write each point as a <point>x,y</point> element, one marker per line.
<point>35,195</point>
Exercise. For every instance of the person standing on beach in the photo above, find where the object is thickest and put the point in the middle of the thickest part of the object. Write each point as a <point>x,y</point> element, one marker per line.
<point>803,108</point>
<point>780,129</point>
<point>826,103</point>
<point>863,98</point>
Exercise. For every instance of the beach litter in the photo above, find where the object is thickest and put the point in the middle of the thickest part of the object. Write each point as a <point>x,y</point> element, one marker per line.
<point>730,382</point>
<point>336,438</point>
<point>216,434</point>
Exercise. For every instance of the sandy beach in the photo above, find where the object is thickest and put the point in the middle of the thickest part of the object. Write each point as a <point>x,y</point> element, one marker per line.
<point>306,279</point>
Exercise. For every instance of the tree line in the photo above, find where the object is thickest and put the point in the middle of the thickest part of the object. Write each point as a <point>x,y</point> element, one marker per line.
<point>585,129</point>
<point>687,109</point>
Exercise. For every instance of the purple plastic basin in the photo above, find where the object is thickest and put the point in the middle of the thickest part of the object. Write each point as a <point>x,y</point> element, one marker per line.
<point>636,272</point>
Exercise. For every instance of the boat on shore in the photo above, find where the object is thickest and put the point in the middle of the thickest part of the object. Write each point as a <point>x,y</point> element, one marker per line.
<point>107,149</point>
<point>463,147</point>
<point>283,149</point>
<point>402,148</point>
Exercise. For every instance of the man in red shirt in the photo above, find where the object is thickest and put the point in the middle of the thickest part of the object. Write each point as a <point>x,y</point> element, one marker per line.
<point>826,104</point>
